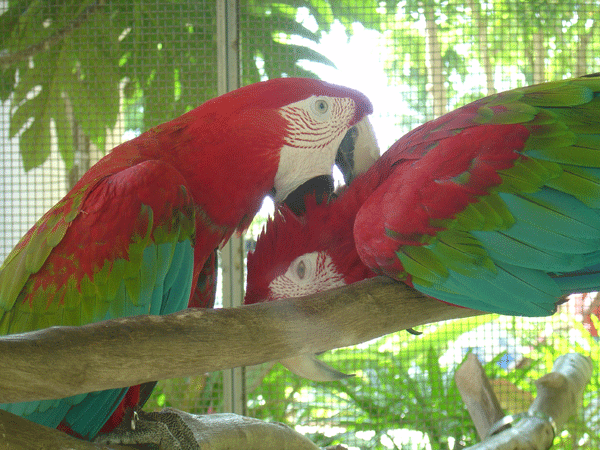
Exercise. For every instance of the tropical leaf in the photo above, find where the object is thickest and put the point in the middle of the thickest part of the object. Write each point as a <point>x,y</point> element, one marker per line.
<point>39,99</point>
<point>170,58</point>
<point>95,93</point>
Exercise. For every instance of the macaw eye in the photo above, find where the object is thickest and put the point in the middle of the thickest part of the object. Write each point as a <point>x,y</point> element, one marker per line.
<point>321,106</point>
<point>301,270</point>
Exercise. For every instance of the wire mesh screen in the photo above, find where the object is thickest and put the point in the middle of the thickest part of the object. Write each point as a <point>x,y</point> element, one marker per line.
<point>416,61</point>
<point>79,77</point>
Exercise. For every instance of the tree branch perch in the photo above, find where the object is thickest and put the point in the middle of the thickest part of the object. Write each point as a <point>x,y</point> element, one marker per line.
<point>559,395</point>
<point>210,432</point>
<point>63,361</point>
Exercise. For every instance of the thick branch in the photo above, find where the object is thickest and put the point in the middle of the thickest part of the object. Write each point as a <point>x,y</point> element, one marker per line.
<point>62,361</point>
<point>477,393</point>
<point>209,432</point>
<point>21,434</point>
<point>227,431</point>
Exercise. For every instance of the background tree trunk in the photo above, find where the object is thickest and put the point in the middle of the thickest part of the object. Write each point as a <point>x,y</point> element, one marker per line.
<point>538,57</point>
<point>581,62</point>
<point>481,22</point>
<point>433,61</point>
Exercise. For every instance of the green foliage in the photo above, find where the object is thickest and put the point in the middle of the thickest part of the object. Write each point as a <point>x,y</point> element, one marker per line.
<point>64,61</point>
<point>74,78</point>
<point>72,56</point>
<point>404,387</point>
<point>524,43</point>
<point>399,384</point>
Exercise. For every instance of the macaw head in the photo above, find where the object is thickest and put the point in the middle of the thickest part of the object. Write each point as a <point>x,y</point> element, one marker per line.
<point>325,124</point>
<point>286,133</point>
<point>298,256</point>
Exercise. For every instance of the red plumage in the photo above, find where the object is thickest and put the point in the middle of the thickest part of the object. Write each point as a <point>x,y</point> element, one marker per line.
<point>137,234</point>
<point>434,175</point>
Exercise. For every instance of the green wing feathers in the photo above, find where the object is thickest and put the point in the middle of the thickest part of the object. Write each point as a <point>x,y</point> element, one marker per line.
<point>30,254</point>
<point>90,258</point>
<point>505,217</point>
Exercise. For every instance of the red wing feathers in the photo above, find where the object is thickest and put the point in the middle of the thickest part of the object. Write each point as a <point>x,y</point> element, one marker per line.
<point>104,230</point>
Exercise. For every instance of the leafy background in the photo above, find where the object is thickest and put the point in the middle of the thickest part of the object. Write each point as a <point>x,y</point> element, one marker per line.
<point>78,75</point>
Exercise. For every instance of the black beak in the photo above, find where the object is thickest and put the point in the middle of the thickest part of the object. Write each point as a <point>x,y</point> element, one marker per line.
<point>344,158</point>
<point>321,187</point>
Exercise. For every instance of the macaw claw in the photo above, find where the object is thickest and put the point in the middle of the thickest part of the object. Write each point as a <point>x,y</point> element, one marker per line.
<point>163,429</point>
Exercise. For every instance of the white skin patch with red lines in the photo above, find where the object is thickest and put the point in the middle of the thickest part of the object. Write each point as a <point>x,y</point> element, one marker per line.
<point>307,274</point>
<point>316,127</point>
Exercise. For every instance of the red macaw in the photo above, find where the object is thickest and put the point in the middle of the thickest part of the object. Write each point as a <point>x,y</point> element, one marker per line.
<point>140,228</point>
<point>494,206</point>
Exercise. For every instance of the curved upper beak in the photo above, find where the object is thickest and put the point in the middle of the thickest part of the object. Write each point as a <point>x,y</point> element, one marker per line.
<point>358,150</point>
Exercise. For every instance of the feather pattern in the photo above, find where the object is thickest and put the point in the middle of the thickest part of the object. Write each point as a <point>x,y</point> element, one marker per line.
<point>111,262</point>
<point>494,206</point>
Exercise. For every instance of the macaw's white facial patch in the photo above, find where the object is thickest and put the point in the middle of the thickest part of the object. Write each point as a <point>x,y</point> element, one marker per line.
<point>307,274</point>
<point>315,129</point>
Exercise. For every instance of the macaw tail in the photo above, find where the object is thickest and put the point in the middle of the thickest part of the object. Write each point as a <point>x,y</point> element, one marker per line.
<point>586,280</point>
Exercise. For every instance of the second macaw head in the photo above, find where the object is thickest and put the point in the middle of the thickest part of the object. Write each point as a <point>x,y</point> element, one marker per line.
<point>302,255</point>
<point>297,256</point>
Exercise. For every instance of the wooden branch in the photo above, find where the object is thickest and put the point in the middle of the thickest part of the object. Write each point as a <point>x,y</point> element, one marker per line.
<point>63,361</point>
<point>21,434</point>
<point>207,432</point>
<point>477,394</point>
<point>227,431</point>
<point>559,395</point>
<point>560,392</point>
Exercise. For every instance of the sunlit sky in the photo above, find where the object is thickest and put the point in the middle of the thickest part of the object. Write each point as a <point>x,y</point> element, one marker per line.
<point>358,64</point>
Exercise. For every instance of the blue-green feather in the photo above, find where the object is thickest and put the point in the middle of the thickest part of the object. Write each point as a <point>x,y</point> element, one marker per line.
<point>166,273</point>
<point>551,247</point>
